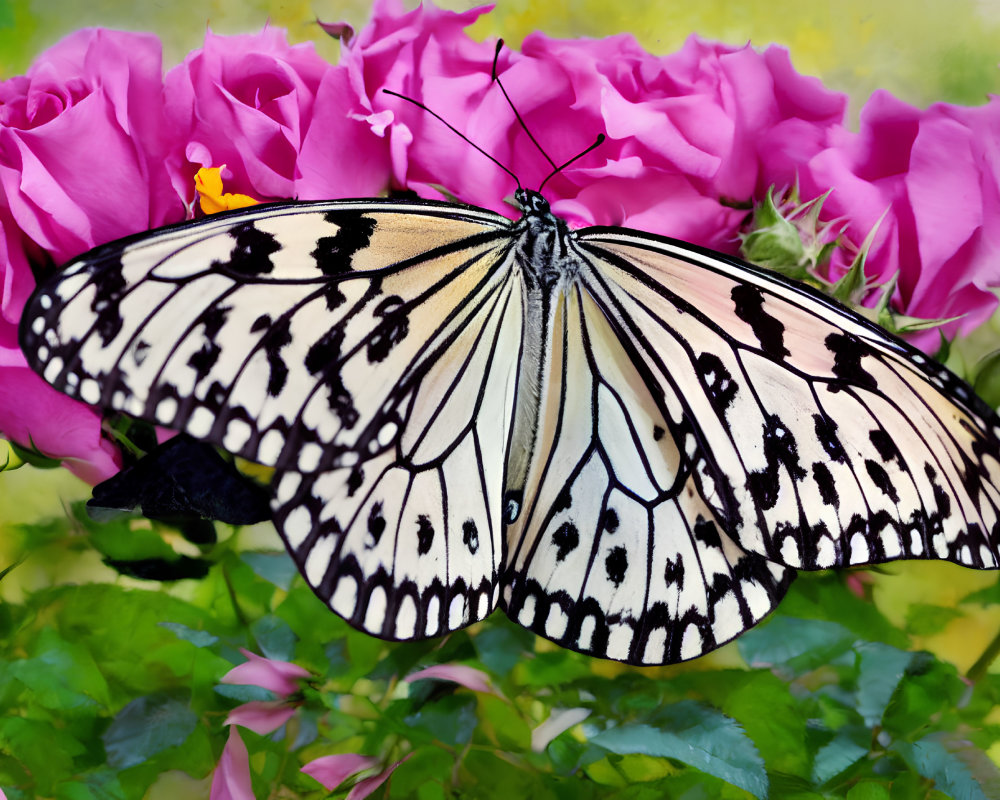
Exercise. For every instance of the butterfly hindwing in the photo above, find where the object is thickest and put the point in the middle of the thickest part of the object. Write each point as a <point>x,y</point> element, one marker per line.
<point>822,441</point>
<point>617,554</point>
<point>407,543</point>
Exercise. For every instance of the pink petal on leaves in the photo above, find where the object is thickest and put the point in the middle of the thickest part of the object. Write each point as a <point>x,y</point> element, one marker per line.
<point>331,771</point>
<point>281,677</point>
<point>261,716</point>
<point>231,780</point>
<point>469,677</point>
<point>369,785</point>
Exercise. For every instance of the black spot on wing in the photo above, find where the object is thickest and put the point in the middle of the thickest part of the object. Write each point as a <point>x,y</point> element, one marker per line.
<point>780,451</point>
<point>109,288</point>
<point>706,533</point>
<point>333,254</point>
<point>768,330</point>
<point>252,251</point>
<point>470,535</point>
<point>824,481</point>
<point>610,521</point>
<point>393,328</point>
<point>425,535</point>
<point>658,433</point>
<point>616,565</point>
<point>673,571</point>
<point>826,432</point>
<point>278,336</point>
<point>262,323</point>
<point>354,480</point>
<point>848,350</point>
<point>205,358</point>
<point>717,380</point>
<point>376,525</point>
<point>884,445</point>
<point>566,539</point>
<point>563,500</point>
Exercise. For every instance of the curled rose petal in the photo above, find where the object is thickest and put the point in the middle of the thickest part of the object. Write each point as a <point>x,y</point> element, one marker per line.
<point>231,780</point>
<point>281,677</point>
<point>560,720</point>
<point>469,677</point>
<point>261,716</point>
<point>331,771</point>
<point>369,785</point>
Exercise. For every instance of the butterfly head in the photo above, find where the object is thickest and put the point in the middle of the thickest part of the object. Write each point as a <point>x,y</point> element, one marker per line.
<point>532,203</point>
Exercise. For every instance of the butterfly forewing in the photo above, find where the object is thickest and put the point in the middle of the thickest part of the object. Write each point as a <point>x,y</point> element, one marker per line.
<point>296,297</point>
<point>820,440</point>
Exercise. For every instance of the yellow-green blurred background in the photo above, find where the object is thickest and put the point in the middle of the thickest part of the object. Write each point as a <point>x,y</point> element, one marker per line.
<point>922,50</point>
<point>926,51</point>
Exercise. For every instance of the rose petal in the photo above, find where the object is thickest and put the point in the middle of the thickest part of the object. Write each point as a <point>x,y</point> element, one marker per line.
<point>331,771</point>
<point>261,716</point>
<point>281,677</point>
<point>469,677</point>
<point>369,785</point>
<point>560,720</point>
<point>231,780</point>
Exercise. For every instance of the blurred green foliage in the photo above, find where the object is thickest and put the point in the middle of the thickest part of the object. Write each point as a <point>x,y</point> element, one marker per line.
<point>112,691</point>
<point>109,686</point>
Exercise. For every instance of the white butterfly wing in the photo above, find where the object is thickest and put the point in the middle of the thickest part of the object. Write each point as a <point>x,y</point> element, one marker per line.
<point>616,554</point>
<point>367,350</point>
<point>818,440</point>
<point>297,296</point>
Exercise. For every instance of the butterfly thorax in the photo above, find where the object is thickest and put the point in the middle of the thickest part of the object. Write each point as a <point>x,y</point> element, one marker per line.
<point>543,250</point>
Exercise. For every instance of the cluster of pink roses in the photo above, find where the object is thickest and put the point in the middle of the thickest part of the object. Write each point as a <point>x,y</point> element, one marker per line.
<point>95,143</point>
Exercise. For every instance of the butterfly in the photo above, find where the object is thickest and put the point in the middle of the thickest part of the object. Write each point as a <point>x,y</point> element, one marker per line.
<point>628,443</point>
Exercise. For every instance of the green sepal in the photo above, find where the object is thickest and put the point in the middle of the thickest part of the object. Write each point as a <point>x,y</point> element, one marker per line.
<point>774,242</point>
<point>9,459</point>
<point>31,455</point>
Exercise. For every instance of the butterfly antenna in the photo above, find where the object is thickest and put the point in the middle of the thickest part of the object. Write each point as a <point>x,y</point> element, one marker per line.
<point>600,139</point>
<point>496,79</point>
<point>454,130</point>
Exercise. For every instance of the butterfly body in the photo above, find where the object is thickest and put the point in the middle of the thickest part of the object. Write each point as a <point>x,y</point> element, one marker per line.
<point>627,442</point>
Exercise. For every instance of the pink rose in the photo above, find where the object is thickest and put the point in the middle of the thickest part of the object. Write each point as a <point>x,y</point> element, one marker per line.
<point>277,116</point>
<point>82,147</point>
<point>81,163</point>
<point>688,134</point>
<point>32,413</point>
<point>935,175</point>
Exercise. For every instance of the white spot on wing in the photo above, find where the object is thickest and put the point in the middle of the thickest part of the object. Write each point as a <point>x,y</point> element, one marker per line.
<point>691,643</point>
<point>345,597</point>
<point>318,561</point>
<point>375,612</point>
<point>200,422</point>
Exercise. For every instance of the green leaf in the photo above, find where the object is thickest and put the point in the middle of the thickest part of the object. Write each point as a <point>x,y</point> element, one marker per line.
<point>773,719</point>
<point>277,568</point>
<point>847,748</point>
<point>501,644</point>
<point>146,726</point>
<point>799,645</point>
<point>99,785</point>
<point>923,619</point>
<point>184,633</point>
<point>552,669</point>
<point>696,735</point>
<point>989,596</point>
<point>426,765</point>
<point>507,727</point>
<point>62,676</point>
<point>881,669</point>
<point>450,719</point>
<point>47,752</point>
<point>950,774</point>
<point>275,637</point>
<point>868,790</point>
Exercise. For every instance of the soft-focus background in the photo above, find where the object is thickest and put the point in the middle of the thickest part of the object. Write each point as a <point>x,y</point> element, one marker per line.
<point>937,50</point>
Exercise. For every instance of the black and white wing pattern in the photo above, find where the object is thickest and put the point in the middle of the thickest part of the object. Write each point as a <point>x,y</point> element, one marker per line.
<point>626,442</point>
<point>817,439</point>
<point>366,350</point>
